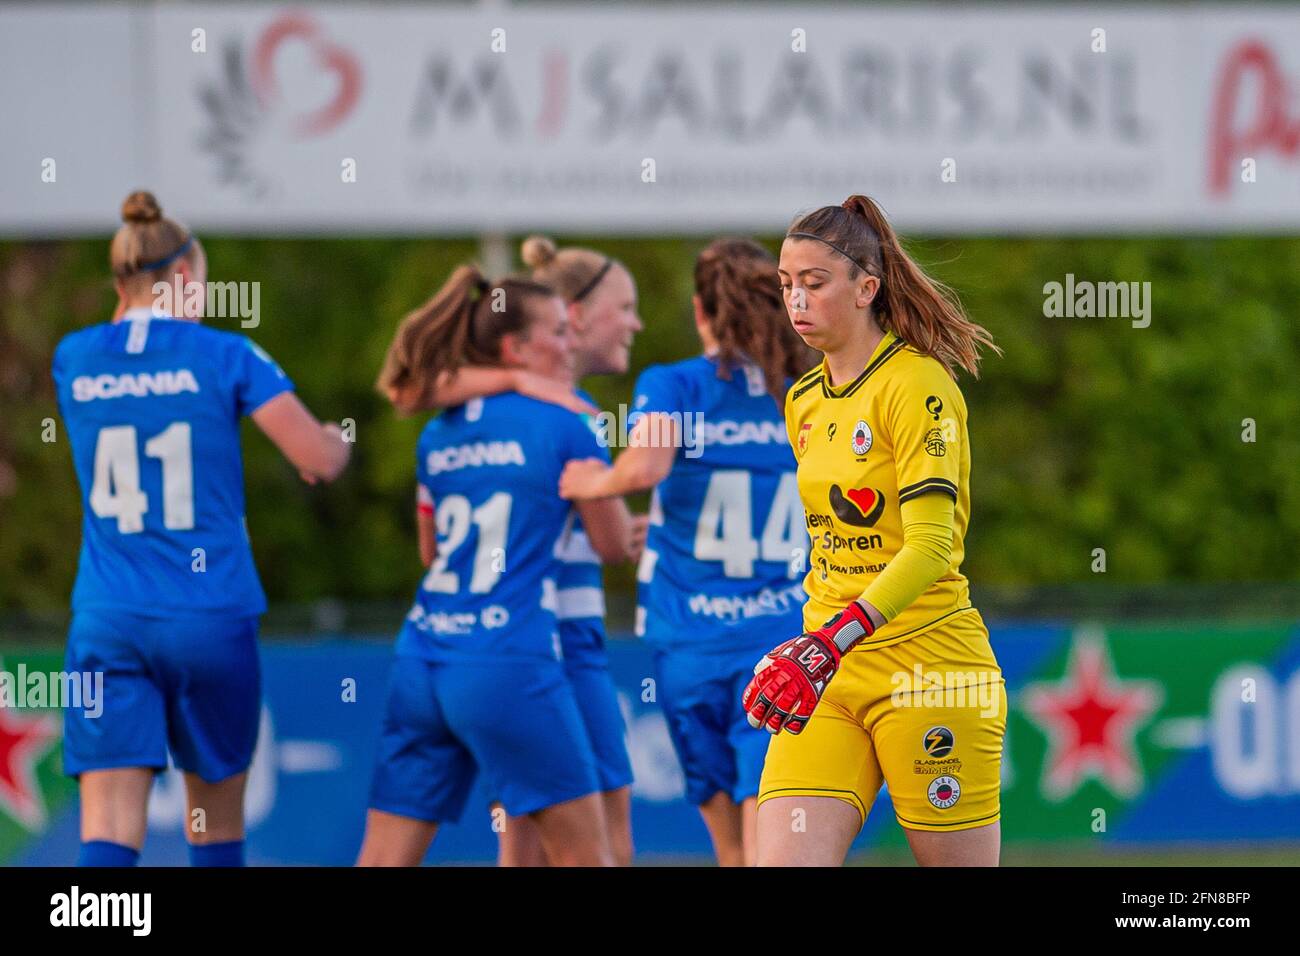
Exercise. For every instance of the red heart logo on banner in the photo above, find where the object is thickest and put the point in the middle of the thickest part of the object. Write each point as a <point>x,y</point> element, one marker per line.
<point>330,59</point>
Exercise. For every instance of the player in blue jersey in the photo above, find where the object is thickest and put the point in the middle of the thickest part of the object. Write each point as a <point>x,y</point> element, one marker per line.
<point>601,298</point>
<point>727,547</point>
<point>478,684</point>
<point>167,597</point>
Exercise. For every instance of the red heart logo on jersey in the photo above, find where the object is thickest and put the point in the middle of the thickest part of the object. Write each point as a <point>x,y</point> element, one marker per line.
<point>860,507</point>
<point>864,498</point>
<point>331,59</point>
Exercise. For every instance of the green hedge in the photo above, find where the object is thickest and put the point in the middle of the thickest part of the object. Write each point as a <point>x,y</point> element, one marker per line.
<point>1087,433</point>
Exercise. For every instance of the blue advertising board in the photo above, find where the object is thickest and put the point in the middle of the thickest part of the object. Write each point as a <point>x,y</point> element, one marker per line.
<point>1174,733</point>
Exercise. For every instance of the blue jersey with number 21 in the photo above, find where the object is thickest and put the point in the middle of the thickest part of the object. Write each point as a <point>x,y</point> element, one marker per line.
<point>152,407</point>
<point>492,469</point>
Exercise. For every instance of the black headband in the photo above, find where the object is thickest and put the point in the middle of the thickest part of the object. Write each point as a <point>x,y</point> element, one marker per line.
<point>809,235</point>
<point>166,260</point>
<point>595,281</point>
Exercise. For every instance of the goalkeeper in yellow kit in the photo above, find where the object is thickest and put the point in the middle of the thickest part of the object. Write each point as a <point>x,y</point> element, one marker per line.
<point>917,699</point>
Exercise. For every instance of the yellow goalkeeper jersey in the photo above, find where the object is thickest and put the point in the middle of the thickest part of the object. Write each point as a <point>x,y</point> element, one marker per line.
<point>896,431</point>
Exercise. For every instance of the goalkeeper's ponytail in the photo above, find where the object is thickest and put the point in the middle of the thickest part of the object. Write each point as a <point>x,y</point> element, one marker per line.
<point>923,312</point>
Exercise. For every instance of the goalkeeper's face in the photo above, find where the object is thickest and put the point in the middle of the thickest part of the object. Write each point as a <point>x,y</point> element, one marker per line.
<point>827,305</point>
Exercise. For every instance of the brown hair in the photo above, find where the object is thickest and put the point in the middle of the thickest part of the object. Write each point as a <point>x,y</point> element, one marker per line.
<point>147,245</point>
<point>574,273</point>
<point>740,293</point>
<point>462,324</point>
<point>923,312</point>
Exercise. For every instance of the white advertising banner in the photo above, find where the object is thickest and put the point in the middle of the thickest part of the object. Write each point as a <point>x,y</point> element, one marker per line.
<point>452,120</point>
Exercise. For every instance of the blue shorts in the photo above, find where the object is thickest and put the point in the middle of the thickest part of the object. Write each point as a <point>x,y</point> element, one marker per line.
<point>700,694</point>
<point>587,665</point>
<point>191,685</point>
<point>516,721</point>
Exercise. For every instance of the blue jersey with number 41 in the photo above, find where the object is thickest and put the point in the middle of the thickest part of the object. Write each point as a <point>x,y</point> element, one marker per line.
<point>727,546</point>
<point>492,469</point>
<point>152,407</point>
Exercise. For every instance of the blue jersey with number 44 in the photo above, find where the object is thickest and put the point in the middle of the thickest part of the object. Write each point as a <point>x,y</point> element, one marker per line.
<point>152,407</point>
<point>492,469</point>
<point>727,547</point>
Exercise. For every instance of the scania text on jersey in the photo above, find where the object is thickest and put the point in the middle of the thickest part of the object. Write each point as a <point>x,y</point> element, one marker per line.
<point>87,388</point>
<point>743,433</point>
<point>475,455</point>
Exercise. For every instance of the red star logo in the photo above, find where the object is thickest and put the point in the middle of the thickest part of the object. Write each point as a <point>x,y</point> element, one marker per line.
<point>1091,719</point>
<point>24,740</point>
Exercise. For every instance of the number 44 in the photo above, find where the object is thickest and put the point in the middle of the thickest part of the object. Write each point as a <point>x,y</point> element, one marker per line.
<point>727,502</point>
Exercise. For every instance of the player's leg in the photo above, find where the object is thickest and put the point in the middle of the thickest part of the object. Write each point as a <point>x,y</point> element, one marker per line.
<point>114,806</point>
<point>749,830</point>
<point>115,749</point>
<point>941,747</point>
<point>618,822</point>
<point>395,840</point>
<point>818,786</point>
<point>980,846</point>
<point>694,691</point>
<point>805,830</point>
<point>211,676</point>
<point>574,833</point>
<point>587,669</point>
<point>722,818</point>
<point>215,820</point>
<point>540,763</point>
<point>519,843</point>
<point>423,774</point>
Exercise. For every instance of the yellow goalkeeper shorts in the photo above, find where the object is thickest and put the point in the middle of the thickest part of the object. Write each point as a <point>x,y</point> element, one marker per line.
<point>926,717</point>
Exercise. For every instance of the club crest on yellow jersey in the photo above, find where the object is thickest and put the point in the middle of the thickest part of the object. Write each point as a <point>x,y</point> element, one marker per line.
<point>861,438</point>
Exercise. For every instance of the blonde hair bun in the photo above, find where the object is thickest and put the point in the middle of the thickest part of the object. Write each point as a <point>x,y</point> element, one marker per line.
<point>537,251</point>
<point>141,206</point>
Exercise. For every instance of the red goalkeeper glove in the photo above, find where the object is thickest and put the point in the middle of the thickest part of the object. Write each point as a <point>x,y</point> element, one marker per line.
<point>790,679</point>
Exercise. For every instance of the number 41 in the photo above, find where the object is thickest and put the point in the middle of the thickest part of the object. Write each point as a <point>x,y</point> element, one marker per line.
<point>116,492</point>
